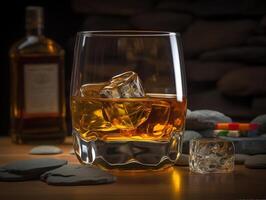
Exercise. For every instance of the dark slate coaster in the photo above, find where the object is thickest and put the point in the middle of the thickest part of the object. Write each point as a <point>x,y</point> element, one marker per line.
<point>251,146</point>
<point>6,176</point>
<point>241,158</point>
<point>256,162</point>
<point>183,160</point>
<point>77,175</point>
<point>45,150</point>
<point>33,166</point>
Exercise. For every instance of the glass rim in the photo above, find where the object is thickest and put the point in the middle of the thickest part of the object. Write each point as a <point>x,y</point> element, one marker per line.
<point>126,33</point>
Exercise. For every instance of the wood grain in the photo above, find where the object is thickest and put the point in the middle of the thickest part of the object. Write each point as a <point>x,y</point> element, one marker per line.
<point>174,183</point>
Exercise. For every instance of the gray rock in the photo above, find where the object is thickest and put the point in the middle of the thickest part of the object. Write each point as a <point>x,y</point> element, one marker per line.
<point>248,145</point>
<point>205,119</point>
<point>259,106</point>
<point>263,23</point>
<point>257,40</point>
<point>162,21</point>
<point>33,166</point>
<point>77,175</point>
<point>103,7</point>
<point>213,99</point>
<point>198,71</point>
<point>211,8</point>
<point>45,150</point>
<point>261,120</point>
<point>244,82</point>
<point>256,162</point>
<point>241,158</point>
<point>246,54</point>
<point>105,23</point>
<point>189,135</point>
<point>207,133</point>
<point>210,35</point>
<point>183,160</point>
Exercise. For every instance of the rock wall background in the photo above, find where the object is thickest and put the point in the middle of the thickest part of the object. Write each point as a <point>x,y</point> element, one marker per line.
<point>224,44</point>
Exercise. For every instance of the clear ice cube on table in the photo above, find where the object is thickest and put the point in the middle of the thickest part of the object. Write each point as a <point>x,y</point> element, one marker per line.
<point>125,85</point>
<point>211,155</point>
<point>125,114</point>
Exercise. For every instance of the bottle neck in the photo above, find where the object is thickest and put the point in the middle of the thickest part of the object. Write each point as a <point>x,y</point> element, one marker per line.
<point>36,31</point>
<point>34,21</point>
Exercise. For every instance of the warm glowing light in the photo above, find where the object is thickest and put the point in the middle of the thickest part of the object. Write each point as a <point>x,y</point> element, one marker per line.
<point>176,181</point>
<point>98,113</point>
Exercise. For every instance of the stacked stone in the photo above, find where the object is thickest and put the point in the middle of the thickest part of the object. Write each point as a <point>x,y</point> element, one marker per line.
<point>250,151</point>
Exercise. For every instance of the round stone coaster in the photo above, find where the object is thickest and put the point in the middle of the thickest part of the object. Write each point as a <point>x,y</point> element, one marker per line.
<point>33,166</point>
<point>45,150</point>
<point>77,175</point>
<point>256,162</point>
<point>6,176</point>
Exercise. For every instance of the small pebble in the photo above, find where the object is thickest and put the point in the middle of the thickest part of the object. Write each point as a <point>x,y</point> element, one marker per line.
<point>77,175</point>
<point>33,166</point>
<point>45,150</point>
<point>241,158</point>
<point>256,162</point>
<point>183,160</point>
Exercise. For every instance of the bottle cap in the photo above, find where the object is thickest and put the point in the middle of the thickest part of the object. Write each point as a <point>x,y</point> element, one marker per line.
<point>34,17</point>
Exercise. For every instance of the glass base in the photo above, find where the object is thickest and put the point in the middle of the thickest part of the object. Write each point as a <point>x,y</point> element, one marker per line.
<point>128,155</point>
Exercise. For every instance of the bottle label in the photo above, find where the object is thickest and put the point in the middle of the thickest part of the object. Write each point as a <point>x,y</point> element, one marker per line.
<point>41,88</point>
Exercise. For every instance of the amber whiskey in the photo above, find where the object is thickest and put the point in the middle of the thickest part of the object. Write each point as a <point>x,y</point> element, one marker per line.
<point>153,118</point>
<point>37,85</point>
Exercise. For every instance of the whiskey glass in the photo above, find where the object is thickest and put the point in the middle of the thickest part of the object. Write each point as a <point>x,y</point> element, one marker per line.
<point>128,99</point>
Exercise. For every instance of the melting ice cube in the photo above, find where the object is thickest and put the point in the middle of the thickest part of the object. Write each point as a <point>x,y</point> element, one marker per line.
<point>125,114</point>
<point>124,85</point>
<point>92,89</point>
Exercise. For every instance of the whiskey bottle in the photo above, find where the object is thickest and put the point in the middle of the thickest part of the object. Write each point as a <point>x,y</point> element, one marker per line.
<point>37,85</point>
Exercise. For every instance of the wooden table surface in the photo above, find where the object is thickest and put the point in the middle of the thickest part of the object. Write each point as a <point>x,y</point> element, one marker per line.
<point>175,183</point>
